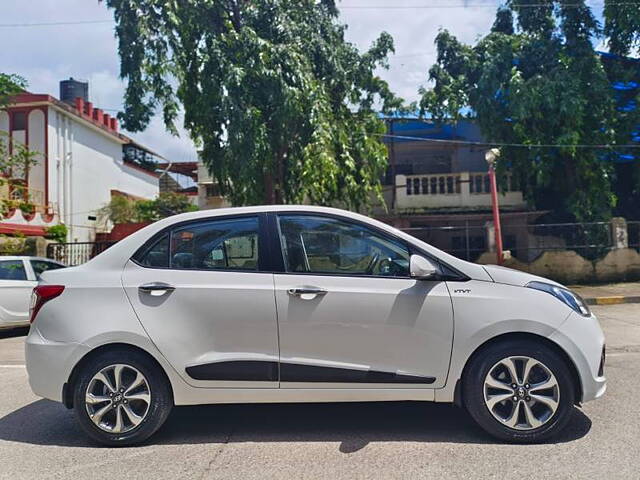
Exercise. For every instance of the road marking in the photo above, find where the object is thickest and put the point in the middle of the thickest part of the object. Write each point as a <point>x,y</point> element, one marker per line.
<point>13,366</point>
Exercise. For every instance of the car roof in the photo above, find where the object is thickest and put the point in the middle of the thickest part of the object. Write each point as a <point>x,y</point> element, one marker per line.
<point>120,253</point>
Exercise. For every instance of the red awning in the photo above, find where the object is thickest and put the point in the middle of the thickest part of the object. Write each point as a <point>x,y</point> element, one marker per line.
<point>28,230</point>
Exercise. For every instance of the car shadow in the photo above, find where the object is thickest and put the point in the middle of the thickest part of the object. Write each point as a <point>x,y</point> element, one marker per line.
<point>353,425</point>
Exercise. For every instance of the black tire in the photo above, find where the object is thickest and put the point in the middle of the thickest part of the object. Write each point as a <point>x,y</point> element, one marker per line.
<point>473,394</point>
<point>159,406</point>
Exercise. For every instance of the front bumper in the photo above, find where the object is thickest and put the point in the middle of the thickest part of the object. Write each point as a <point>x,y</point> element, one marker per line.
<point>583,340</point>
<point>49,364</point>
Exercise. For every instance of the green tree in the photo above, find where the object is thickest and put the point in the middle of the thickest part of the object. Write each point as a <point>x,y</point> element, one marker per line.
<point>281,105</point>
<point>123,209</point>
<point>540,83</point>
<point>10,85</point>
<point>622,27</point>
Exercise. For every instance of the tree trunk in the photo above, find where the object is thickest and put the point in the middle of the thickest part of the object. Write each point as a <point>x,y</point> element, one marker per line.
<point>269,191</point>
<point>279,190</point>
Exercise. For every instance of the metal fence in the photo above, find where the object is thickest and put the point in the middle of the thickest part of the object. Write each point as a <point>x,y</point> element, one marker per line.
<point>633,232</point>
<point>72,254</point>
<point>464,240</point>
<point>527,242</point>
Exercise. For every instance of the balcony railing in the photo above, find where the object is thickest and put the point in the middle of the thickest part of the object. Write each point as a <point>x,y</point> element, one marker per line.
<point>446,190</point>
<point>17,193</point>
<point>27,195</point>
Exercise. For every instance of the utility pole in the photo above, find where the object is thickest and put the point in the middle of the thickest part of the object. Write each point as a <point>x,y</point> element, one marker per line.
<point>392,158</point>
<point>490,156</point>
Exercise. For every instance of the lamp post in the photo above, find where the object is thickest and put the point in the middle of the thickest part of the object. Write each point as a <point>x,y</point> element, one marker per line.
<point>490,156</point>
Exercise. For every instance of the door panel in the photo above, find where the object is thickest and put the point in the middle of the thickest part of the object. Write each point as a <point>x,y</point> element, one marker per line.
<point>15,293</point>
<point>349,316</point>
<point>211,325</point>
<point>200,294</point>
<point>363,332</point>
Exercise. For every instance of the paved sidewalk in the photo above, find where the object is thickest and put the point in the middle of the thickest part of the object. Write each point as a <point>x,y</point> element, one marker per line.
<point>609,294</point>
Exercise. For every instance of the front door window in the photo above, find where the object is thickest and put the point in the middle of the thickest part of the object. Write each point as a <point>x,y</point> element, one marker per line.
<point>323,245</point>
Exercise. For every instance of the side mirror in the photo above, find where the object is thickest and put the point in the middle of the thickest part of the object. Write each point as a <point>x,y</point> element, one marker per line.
<point>421,269</point>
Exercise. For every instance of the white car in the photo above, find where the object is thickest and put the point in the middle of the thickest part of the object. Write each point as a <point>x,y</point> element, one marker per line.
<point>305,304</point>
<point>18,276</point>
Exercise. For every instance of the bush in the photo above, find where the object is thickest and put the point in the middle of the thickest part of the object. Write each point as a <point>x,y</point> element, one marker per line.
<point>57,233</point>
<point>123,209</point>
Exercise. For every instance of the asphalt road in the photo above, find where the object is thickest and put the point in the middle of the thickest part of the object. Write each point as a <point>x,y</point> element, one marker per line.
<point>40,439</point>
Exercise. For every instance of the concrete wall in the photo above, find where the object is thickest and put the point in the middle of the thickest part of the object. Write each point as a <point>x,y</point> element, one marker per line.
<point>568,267</point>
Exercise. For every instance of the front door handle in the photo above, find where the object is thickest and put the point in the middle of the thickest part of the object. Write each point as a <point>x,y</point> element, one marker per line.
<point>297,291</point>
<point>156,289</point>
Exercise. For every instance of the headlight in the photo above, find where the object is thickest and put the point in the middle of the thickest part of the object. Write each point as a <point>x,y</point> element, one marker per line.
<point>573,300</point>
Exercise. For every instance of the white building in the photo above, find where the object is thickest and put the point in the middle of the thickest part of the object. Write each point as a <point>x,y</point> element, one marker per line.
<point>208,194</point>
<point>80,166</point>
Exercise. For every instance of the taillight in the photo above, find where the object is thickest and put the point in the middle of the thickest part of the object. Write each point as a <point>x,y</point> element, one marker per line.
<point>41,295</point>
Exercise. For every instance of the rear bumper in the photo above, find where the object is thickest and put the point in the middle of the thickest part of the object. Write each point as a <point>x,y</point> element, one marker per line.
<point>49,364</point>
<point>583,340</point>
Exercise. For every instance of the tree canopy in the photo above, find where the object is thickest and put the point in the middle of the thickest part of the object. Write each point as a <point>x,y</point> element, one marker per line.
<point>536,80</point>
<point>122,209</point>
<point>622,26</point>
<point>280,104</point>
<point>10,85</point>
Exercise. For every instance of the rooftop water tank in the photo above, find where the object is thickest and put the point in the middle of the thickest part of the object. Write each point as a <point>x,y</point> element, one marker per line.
<point>72,88</point>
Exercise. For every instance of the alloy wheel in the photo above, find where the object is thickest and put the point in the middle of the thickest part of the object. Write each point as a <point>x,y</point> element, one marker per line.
<point>118,398</point>
<point>521,392</point>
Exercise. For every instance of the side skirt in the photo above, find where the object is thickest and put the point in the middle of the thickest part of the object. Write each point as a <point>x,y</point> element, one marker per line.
<point>200,396</point>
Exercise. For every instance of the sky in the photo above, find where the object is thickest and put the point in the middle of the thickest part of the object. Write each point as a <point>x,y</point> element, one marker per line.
<point>44,55</point>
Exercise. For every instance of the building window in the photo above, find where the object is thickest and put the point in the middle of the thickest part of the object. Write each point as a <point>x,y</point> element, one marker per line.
<point>441,185</point>
<point>212,190</point>
<point>416,186</point>
<point>434,185</point>
<point>19,121</point>
<point>487,184</point>
<point>449,184</point>
<point>477,184</point>
<point>425,185</point>
<point>408,185</point>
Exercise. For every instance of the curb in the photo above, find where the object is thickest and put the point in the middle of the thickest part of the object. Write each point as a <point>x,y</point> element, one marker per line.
<point>615,300</point>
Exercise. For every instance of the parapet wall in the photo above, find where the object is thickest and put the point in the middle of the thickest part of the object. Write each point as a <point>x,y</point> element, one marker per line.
<point>566,266</point>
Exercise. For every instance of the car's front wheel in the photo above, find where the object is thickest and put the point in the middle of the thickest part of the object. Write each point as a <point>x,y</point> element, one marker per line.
<point>519,391</point>
<point>121,397</point>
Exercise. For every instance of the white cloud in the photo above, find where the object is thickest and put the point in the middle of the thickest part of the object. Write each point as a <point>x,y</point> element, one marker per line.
<point>413,32</point>
<point>46,55</point>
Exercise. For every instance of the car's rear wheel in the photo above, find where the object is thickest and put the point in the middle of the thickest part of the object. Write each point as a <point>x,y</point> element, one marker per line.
<point>519,391</point>
<point>121,397</point>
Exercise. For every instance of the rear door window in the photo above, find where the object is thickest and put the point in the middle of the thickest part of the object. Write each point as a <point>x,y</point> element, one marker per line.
<point>227,244</point>
<point>224,244</point>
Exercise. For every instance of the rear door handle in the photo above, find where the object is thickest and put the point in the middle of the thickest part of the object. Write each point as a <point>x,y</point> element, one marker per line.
<point>156,289</point>
<point>297,291</point>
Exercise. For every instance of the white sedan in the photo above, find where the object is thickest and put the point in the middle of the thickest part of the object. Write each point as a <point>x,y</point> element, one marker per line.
<point>305,304</point>
<point>18,276</point>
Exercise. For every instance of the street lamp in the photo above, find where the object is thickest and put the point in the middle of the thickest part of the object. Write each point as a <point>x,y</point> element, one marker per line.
<point>490,156</point>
